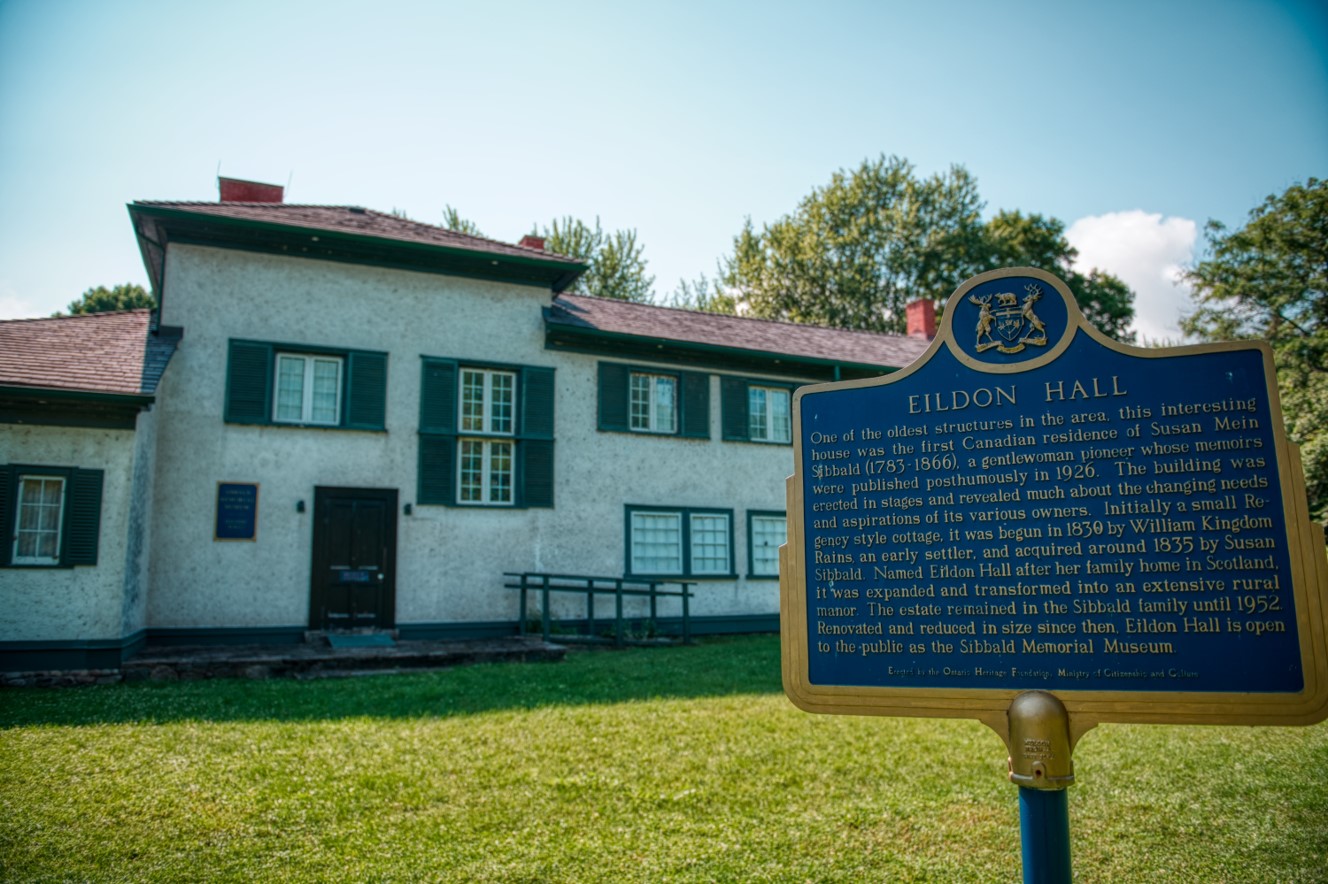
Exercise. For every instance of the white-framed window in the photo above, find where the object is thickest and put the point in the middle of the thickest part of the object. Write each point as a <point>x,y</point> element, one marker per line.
<point>485,466</point>
<point>710,543</point>
<point>766,532</point>
<point>769,418</point>
<point>679,542</point>
<point>656,542</point>
<point>308,389</point>
<point>38,520</point>
<point>653,403</point>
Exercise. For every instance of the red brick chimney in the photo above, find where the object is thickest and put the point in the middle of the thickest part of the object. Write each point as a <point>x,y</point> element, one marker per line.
<point>921,316</point>
<point>235,190</point>
<point>532,242</point>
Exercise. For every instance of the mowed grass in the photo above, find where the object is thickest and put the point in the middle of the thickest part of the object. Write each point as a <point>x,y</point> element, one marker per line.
<point>664,764</point>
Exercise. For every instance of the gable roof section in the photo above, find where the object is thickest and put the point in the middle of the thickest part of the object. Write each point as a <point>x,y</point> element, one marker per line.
<point>596,324</point>
<point>341,233</point>
<point>99,354</point>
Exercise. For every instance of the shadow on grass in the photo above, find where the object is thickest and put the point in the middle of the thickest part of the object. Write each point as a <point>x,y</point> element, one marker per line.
<point>714,667</point>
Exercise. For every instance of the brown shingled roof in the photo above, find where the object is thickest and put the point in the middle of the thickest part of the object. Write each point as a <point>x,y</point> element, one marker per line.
<point>357,221</point>
<point>95,353</point>
<point>734,332</point>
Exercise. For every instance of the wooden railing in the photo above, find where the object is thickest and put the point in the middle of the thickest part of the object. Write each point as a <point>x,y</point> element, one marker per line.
<point>619,587</point>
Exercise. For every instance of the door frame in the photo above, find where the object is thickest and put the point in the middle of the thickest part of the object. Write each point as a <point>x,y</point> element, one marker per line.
<point>318,556</point>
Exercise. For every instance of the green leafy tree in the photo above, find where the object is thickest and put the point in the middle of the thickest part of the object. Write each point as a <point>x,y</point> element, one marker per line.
<point>128,296</point>
<point>856,251</point>
<point>1013,239</point>
<point>1269,280</point>
<point>452,220</point>
<point>617,266</point>
<point>703,294</point>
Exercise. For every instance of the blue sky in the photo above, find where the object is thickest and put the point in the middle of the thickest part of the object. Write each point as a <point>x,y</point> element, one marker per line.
<point>1133,122</point>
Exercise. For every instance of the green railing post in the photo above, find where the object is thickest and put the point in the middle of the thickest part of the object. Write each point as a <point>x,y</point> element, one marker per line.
<point>618,602</point>
<point>686,621</point>
<point>521,623</point>
<point>544,606</point>
<point>590,606</point>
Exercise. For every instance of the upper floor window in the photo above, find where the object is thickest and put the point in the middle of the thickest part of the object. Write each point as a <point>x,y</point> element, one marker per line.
<point>755,410</point>
<point>308,389</point>
<point>768,416</point>
<point>488,401</point>
<point>305,386</point>
<point>654,403</point>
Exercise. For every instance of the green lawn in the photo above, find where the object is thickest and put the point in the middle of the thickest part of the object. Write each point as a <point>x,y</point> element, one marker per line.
<point>677,764</point>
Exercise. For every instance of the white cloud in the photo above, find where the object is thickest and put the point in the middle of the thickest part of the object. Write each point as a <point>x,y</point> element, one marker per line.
<point>15,306</point>
<point>1147,252</point>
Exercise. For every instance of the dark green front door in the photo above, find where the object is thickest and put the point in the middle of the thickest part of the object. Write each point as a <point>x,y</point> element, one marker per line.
<point>354,559</point>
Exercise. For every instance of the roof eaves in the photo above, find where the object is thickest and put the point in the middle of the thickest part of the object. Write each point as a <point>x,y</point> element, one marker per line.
<point>720,349</point>
<point>568,266</point>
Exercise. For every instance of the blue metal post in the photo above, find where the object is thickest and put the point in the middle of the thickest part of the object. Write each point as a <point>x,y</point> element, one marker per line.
<point>1044,829</point>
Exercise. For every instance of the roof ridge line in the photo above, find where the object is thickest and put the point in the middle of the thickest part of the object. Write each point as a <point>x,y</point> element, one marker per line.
<point>831,328</point>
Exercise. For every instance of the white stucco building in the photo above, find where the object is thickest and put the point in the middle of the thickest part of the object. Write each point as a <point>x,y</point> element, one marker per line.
<point>347,420</point>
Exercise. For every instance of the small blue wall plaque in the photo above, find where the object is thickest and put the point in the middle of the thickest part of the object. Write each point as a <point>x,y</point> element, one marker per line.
<point>237,511</point>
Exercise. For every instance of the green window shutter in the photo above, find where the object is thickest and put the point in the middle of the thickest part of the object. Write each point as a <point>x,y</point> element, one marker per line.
<point>82,518</point>
<point>437,470</point>
<point>366,391</point>
<point>7,504</point>
<point>536,465</point>
<point>249,383</point>
<point>438,392</point>
<point>613,380</point>
<point>537,403</point>
<point>734,405</point>
<point>695,400</point>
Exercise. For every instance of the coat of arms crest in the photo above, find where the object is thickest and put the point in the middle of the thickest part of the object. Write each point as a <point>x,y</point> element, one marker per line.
<point>1013,322</point>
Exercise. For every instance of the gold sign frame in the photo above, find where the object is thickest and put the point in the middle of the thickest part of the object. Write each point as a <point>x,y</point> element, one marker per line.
<point>1309,574</point>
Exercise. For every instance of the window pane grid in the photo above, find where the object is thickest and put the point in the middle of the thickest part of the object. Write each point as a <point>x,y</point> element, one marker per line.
<point>710,544</point>
<point>652,403</point>
<point>308,390</point>
<point>290,388</point>
<point>41,503</point>
<point>769,415</point>
<point>657,543</point>
<point>768,533</point>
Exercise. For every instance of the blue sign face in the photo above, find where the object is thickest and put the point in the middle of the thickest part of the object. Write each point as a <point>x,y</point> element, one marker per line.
<point>237,511</point>
<point>1034,509</point>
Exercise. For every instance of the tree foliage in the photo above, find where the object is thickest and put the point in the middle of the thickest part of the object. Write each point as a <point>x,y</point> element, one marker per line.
<point>856,251</point>
<point>1269,280</point>
<point>126,296</point>
<point>617,266</point>
<point>453,221</point>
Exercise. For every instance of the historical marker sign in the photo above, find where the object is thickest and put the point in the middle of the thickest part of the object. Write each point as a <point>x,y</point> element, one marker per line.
<point>1032,506</point>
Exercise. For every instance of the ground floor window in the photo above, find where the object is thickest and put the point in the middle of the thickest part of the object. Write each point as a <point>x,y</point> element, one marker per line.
<point>41,504</point>
<point>679,542</point>
<point>50,516</point>
<point>766,532</point>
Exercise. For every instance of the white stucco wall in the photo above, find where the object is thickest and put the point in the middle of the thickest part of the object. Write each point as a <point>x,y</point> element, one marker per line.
<point>84,602</point>
<point>450,559</point>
